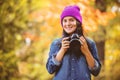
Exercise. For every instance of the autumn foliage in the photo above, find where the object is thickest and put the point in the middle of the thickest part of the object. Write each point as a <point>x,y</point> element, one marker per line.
<point>27,28</point>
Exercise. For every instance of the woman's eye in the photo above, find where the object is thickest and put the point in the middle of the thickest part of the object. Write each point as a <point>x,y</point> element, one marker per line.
<point>72,20</point>
<point>64,20</point>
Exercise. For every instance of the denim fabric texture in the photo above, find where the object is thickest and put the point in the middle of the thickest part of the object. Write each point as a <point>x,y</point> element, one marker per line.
<point>72,68</point>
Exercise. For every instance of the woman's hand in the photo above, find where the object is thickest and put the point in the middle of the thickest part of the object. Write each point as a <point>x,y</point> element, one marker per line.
<point>64,47</point>
<point>65,44</point>
<point>85,50</point>
<point>84,46</point>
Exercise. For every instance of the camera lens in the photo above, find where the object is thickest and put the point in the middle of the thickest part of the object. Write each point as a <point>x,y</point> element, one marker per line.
<point>74,41</point>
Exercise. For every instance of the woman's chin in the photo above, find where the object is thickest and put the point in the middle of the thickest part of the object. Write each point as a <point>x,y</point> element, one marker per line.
<point>69,32</point>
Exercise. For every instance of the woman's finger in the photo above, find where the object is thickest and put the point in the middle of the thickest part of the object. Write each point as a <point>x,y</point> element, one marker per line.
<point>66,42</point>
<point>83,40</point>
<point>65,39</point>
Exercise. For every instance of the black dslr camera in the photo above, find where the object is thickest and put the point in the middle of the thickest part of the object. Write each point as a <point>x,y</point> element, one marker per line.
<point>75,41</point>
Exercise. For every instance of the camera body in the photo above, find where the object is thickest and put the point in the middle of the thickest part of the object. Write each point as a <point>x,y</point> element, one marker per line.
<point>75,44</point>
<point>75,41</point>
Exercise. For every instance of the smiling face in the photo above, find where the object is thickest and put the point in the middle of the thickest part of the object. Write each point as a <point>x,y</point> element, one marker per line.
<point>69,24</point>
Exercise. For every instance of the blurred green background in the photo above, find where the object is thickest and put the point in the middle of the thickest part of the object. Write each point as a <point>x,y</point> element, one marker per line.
<point>27,28</point>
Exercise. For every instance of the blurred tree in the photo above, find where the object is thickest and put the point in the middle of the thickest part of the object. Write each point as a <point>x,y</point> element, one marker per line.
<point>32,52</point>
<point>113,42</point>
<point>13,23</point>
<point>101,32</point>
<point>13,18</point>
<point>104,38</point>
<point>101,5</point>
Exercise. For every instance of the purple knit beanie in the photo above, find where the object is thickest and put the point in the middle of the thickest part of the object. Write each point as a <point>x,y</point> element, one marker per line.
<point>73,11</point>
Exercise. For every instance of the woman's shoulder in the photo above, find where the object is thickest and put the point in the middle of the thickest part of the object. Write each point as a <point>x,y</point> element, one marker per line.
<point>57,41</point>
<point>90,40</point>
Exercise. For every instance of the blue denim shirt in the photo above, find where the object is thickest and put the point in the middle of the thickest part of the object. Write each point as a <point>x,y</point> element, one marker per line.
<point>71,68</point>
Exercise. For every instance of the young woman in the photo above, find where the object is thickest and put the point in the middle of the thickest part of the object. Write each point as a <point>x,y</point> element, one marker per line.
<point>70,62</point>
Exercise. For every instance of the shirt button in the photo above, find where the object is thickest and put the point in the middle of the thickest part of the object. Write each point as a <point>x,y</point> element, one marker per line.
<point>72,68</point>
<point>73,59</point>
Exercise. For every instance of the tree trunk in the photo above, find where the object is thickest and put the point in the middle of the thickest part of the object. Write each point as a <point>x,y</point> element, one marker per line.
<point>1,38</point>
<point>101,50</point>
<point>101,5</point>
